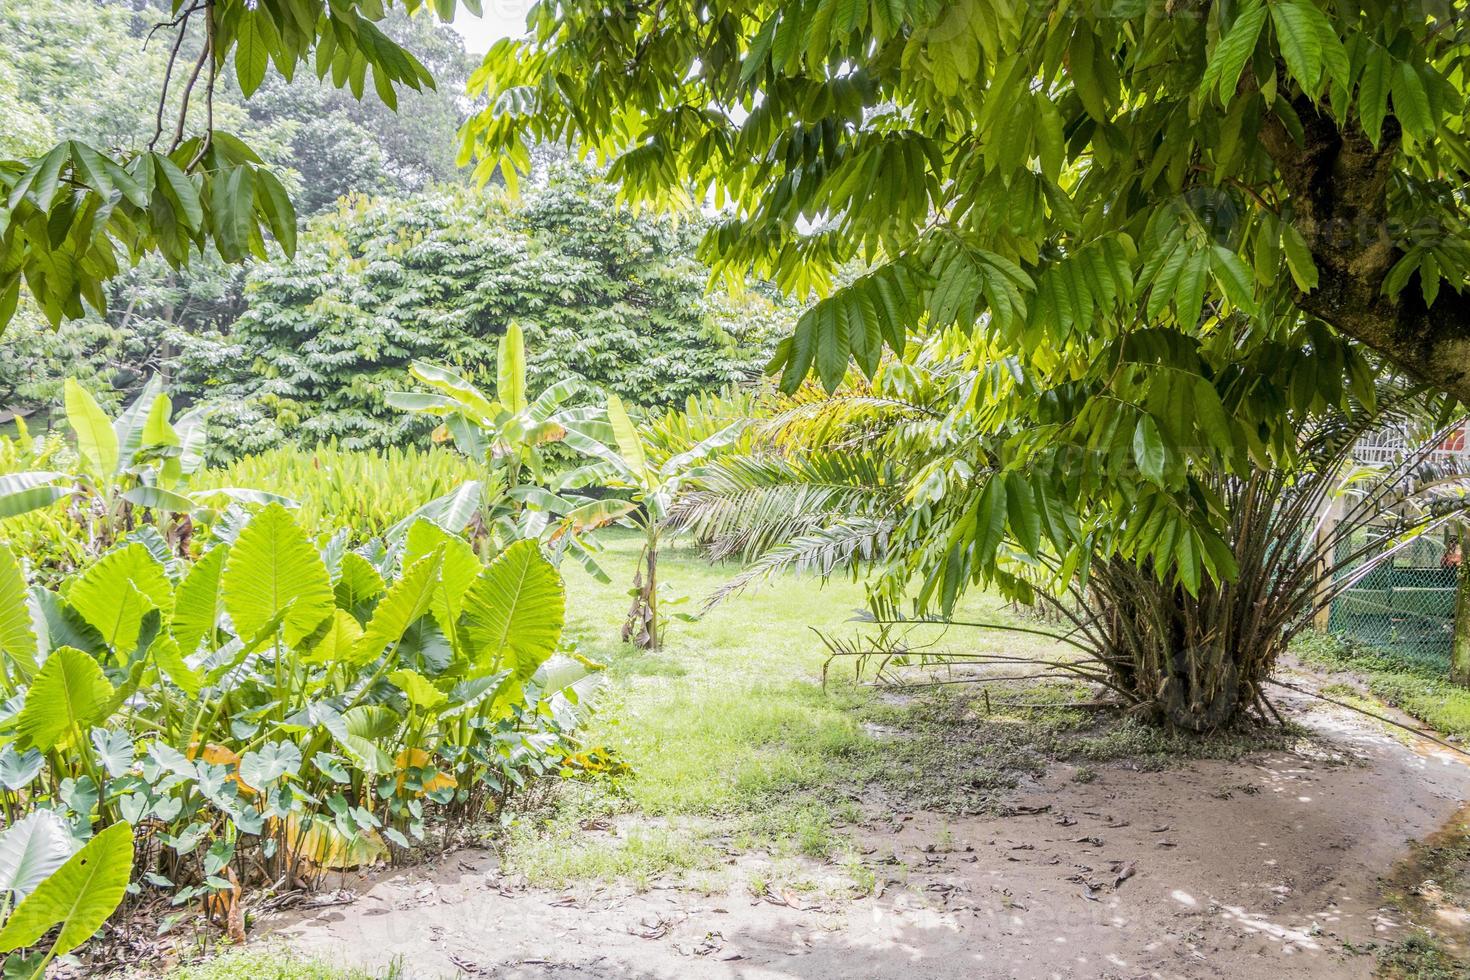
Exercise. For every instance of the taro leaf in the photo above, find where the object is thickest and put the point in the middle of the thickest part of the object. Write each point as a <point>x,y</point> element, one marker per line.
<point>31,849</point>
<point>171,663</point>
<point>331,767</point>
<point>358,584</point>
<point>274,572</point>
<point>406,600</point>
<point>197,607</point>
<point>417,688</point>
<point>220,854</point>
<point>514,611</point>
<point>114,593</point>
<point>17,769</point>
<point>69,695</point>
<point>65,627</point>
<point>425,647</point>
<point>261,768</point>
<point>17,633</point>
<point>337,640</point>
<point>80,797</point>
<point>115,749</point>
<point>459,570</point>
<point>79,896</point>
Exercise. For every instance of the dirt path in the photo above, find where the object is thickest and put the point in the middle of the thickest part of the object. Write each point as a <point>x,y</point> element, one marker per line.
<point>1265,868</point>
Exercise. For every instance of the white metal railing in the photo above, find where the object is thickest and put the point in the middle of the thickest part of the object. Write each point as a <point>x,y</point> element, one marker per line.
<point>1387,446</point>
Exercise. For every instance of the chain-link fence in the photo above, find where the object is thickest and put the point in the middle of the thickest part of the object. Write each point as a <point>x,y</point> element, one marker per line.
<point>1405,605</point>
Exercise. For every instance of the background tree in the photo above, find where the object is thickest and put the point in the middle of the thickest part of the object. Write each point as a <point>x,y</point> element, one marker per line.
<point>605,297</point>
<point>90,71</point>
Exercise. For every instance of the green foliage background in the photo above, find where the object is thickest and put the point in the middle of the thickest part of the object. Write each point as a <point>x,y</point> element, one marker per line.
<point>604,295</point>
<point>398,259</point>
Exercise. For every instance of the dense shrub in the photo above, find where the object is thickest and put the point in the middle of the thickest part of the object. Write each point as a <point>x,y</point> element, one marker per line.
<point>612,298</point>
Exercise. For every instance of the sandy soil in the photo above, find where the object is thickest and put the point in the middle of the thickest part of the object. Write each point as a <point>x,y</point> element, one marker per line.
<point>1270,867</point>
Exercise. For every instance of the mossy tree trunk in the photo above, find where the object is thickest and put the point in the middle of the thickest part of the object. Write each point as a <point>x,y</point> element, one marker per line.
<point>1460,648</point>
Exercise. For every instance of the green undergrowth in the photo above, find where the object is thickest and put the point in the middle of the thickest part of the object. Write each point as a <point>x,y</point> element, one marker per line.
<point>1417,689</point>
<point>737,746</point>
<point>1432,880</point>
<point>273,964</point>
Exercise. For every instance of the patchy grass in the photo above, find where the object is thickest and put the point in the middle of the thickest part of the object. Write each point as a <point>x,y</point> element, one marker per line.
<point>1416,689</point>
<point>1431,888</point>
<point>736,744</point>
<point>272,964</point>
<point>1418,958</point>
<point>734,740</point>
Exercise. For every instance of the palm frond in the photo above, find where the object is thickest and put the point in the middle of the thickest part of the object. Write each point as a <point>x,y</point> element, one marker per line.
<point>844,544</point>
<point>746,505</point>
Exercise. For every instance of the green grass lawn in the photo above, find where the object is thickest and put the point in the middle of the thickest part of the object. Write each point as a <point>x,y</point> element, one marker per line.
<point>731,734</point>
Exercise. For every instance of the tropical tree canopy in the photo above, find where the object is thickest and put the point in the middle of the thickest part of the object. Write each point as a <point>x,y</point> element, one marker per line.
<point>1056,165</point>
<point>1163,233</point>
<point>74,214</point>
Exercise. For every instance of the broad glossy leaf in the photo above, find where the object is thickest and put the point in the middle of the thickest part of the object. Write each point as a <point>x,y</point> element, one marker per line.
<point>405,601</point>
<point>116,592</point>
<point>513,613</point>
<point>69,695</point>
<point>197,605</point>
<point>79,896</point>
<point>96,440</point>
<point>629,442</point>
<point>21,493</point>
<point>339,641</point>
<point>510,367</point>
<point>17,631</point>
<point>32,849</point>
<point>262,768</point>
<point>273,570</point>
<point>459,570</point>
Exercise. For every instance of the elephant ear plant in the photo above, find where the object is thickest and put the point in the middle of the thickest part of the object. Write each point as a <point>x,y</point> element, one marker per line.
<point>271,710</point>
<point>58,883</point>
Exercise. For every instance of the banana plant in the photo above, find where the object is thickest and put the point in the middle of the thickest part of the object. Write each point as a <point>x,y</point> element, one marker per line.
<point>623,459</point>
<point>508,434</point>
<point>141,459</point>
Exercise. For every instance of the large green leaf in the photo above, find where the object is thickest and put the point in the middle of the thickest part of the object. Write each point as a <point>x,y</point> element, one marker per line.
<point>131,423</point>
<point>406,600</point>
<point>452,511</point>
<point>197,606</point>
<point>96,440</point>
<point>69,695</point>
<point>273,570</point>
<point>21,493</point>
<point>17,634</point>
<point>339,640</point>
<point>358,582</point>
<point>115,593</point>
<point>630,443</point>
<point>79,896</point>
<point>33,848</point>
<point>459,571</point>
<point>513,613</point>
<point>510,367</point>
